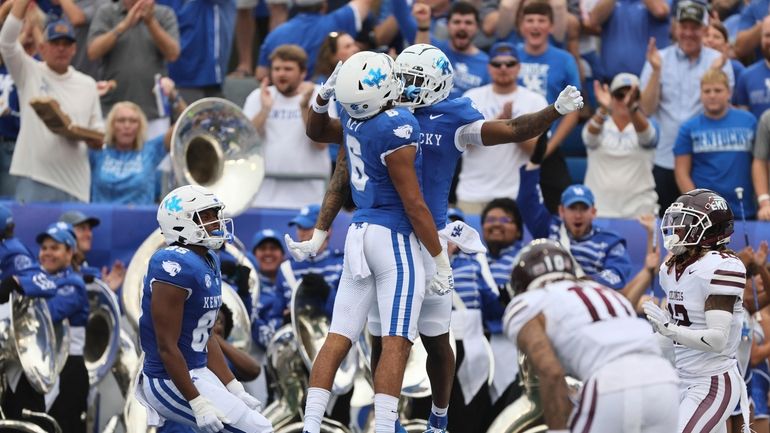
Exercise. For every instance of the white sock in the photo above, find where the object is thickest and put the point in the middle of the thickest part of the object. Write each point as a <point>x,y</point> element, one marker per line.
<point>385,413</point>
<point>435,410</point>
<point>317,400</point>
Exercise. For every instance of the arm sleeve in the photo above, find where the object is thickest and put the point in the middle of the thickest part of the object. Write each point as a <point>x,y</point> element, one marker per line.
<point>172,269</point>
<point>711,339</point>
<point>648,138</point>
<point>592,141</point>
<point>13,54</point>
<point>617,266</point>
<point>536,217</point>
<point>253,104</point>
<point>100,24</point>
<point>520,311</point>
<point>36,284</point>
<point>67,302</point>
<point>167,20</point>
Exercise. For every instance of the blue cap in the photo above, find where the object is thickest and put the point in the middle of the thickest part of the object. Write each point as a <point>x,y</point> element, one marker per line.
<point>454,214</point>
<point>60,232</point>
<point>503,49</point>
<point>263,235</point>
<point>59,29</point>
<point>6,217</point>
<point>307,217</point>
<point>577,194</point>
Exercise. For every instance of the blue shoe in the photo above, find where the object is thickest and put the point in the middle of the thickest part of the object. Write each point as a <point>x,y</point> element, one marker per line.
<point>400,428</point>
<point>437,424</point>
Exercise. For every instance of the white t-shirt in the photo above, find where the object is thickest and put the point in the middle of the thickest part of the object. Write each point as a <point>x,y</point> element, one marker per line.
<point>288,151</point>
<point>490,172</point>
<point>40,154</point>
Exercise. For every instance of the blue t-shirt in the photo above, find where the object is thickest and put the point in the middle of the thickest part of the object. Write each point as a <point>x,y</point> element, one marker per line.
<point>548,73</point>
<point>721,152</point>
<point>202,280</point>
<point>751,89</point>
<point>10,119</point>
<point>14,257</point>
<point>367,143</point>
<point>438,125</point>
<point>308,31</point>
<point>469,71</point>
<point>126,177</point>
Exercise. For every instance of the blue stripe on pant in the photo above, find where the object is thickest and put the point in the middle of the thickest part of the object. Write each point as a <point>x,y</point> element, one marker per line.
<point>399,284</point>
<point>410,290</point>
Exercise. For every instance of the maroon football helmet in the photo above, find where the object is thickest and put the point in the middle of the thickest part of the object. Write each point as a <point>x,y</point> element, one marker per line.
<point>541,257</point>
<point>700,218</point>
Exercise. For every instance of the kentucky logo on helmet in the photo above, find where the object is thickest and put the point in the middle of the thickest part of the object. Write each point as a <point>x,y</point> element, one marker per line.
<point>172,204</point>
<point>374,78</point>
<point>442,64</point>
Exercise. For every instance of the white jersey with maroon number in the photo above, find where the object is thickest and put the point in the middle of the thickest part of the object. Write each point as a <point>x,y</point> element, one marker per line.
<point>716,273</point>
<point>588,324</point>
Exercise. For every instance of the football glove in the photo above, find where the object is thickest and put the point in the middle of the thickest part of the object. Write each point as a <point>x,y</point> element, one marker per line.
<point>659,318</point>
<point>443,281</point>
<point>236,389</point>
<point>327,88</point>
<point>569,100</point>
<point>301,251</point>
<point>208,418</point>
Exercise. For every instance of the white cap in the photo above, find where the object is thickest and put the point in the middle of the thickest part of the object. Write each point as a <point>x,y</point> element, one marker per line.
<point>624,79</point>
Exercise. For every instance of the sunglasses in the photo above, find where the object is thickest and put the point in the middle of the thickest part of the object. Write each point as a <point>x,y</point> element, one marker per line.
<point>499,64</point>
<point>501,220</point>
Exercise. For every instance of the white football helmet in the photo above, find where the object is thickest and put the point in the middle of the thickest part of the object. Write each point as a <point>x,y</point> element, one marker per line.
<point>366,83</point>
<point>427,75</point>
<point>179,218</point>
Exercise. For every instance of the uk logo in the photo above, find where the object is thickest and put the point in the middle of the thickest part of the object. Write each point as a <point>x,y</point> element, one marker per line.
<point>457,232</point>
<point>374,78</point>
<point>173,204</point>
<point>442,64</point>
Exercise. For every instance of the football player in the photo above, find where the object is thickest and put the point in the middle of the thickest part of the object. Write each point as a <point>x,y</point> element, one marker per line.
<point>447,127</point>
<point>580,328</point>
<point>382,260</point>
<point>185,377</point>
<point>705,283</point>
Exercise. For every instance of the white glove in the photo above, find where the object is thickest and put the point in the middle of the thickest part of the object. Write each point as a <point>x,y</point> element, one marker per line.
<point>659,319</point>
<point>236,389</point>
<point>209,418</point>
<point>327,88</point>
<point>302,250</point>
<point>569,100</point>
<point>443,282</point>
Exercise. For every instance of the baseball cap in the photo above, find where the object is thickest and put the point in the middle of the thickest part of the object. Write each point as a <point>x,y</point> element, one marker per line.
<point>60,232</point>
<point>454,214</point>
<point>6,217</point>
<point>307,217</point>
<point>692,11</point>
<point>624,79</point>
<point>59,29</point>
<point>265,235</point>
<point>577,194</point>
<point>503,49</point>
<point>75,217</point>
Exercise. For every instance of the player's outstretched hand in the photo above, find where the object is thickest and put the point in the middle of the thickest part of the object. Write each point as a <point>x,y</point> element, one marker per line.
<point>443,282</point>
<point>301,251</point>
<point>236,389</point>
<point>658,318</point>
<point>327,88</point>
<point>569,100</point>
<point>207,416</point>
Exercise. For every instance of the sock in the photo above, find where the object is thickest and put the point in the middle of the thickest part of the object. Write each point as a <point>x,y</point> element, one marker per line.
<point>438,417</point>
<point>317,400</point>
<point>435,410</point>
<point>385,413</point>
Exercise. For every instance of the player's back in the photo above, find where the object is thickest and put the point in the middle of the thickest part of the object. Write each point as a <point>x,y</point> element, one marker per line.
<point>439,125</point>
<point>716,273</point>
<point>368,142</point>
<point>200,278</point>
<point>588,324</point>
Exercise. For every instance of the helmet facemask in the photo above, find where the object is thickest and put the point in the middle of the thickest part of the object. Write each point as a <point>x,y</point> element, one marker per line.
<point>682,228</point>
<point>223,229</point>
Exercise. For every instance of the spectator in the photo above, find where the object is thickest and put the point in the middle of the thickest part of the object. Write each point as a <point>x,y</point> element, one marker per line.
<point>308,28</point>
<point>714,149</point>
<point>626,27</point>
<point>751,92</point>
<point>206,38</point>
<point>749,26</point>
<point>485,172</point>
<point>296,167</point>
<point>78,13</point>
<point>267,315</point>
<point>245,31</point>
<point>123,32</point>
<point>50,167</point>
<point>336,47</point>
<point>469,63</point>
<point>600,253</point>
<point>547,70</point>
<point>620,140</point>
<point>14,256</point>
<point>83,230</point>
<point>717,38</point>
<point>759,167</point>
<point>670,89</point>
<point>30,38</point>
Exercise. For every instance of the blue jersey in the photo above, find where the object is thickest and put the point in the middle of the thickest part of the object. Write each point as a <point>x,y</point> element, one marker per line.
<point>601,253</point>
<point>751,89</point>
<point>201,279</point>
<point>367,143</point>
<point>501,266</point>
<point>438,125</point>
<point>721,151</point>
<point>267,315</point>
<point>14,257</point>
<point>65,293</point>
<point>547,74</point>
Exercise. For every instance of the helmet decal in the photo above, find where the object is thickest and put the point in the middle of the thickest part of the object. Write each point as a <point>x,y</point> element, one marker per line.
<point>172,204</point>
<point>374,78</point>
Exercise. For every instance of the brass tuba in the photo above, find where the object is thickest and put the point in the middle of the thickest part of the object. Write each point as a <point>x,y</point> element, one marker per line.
<point>102,331</point>
<point>215,145</point>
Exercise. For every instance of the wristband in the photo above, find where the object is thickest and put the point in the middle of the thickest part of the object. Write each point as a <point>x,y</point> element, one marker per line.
<point>423,29</point>
<point>320,109</point>
<point>763,197</point>
<point>595,124</point>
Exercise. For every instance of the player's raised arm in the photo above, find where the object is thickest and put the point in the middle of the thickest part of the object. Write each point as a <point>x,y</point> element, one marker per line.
<point>320,127</point>
<point>531,125</point>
